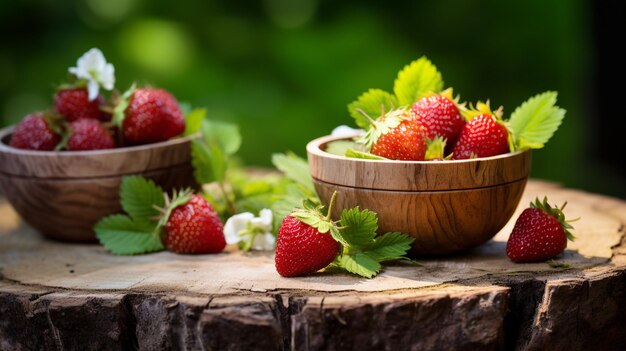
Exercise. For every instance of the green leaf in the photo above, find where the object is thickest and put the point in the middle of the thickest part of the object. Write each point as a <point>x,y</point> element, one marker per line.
<point>534,122</point>
<point>140,196</point>
<point>416,80</point>
<point>122,104</point>
<point>208,161</point>
<point>389,247</point>
<point>122,235</point>
<point>351,153</point>
<point>360,264</point>
<point>339,147</point>
<point>294,168</point>
<point>359,227</point>
<point>193,121</point>
<point>372,102</point>
<point>222,134</point>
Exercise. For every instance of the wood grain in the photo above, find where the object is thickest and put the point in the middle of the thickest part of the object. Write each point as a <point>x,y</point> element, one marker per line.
<point>77,297</point>
<point>447,206</point>
<point>442,222</point>
<point>64,194</point>
<point>415,175</point>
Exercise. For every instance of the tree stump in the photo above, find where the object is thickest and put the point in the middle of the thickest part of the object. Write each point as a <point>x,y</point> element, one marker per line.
<point>61,296</point>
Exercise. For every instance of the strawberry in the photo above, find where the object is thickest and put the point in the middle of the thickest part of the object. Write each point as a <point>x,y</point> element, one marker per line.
<point>74,104</point>
<point>396,136</point>
<point>483,136</point>
<point>193,226</point>
<point>440,115</point>
<point>540,233</point>
<point>305,244</point>
<point>89,134</point>
<point>152,115</point>
<point>34,132</point>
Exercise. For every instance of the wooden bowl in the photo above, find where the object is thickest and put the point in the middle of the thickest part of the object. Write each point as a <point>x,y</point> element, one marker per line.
<point>63,194</point>
<point>447,206</point>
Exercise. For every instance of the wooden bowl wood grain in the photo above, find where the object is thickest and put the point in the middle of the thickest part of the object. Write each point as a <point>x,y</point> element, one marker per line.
<point>63,194</point>
<point>447,206</point>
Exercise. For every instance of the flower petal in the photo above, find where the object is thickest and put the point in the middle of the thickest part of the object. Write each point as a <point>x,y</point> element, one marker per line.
<point>265,241</point>
<point>93,88</point>
<point>234,225</point>
<point>107,78</point>
<point>345,131</point>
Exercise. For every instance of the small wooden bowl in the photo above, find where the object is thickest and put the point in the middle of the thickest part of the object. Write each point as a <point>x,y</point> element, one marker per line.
<point>447,206</point>
<point>63,194</point>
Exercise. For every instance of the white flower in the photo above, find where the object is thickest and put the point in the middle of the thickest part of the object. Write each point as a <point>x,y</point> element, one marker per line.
<point>251,232</point>
<point>93,67</point>
<point>345,131</point>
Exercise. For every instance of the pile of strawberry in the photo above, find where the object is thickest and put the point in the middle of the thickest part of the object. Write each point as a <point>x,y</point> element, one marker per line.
<point>82,119</point>
<point>422,122</point>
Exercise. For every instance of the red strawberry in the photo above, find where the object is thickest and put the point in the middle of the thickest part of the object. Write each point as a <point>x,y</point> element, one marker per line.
<point>152,115</point>
<point>483,136</point>
<point>396,136</point>
<point>303,248</point>
<point>89,134</point>
<point>194,228</point>
<point>34,133</point>
<point>440,115</point>
<point>540,233</point>
<point>74,104</point>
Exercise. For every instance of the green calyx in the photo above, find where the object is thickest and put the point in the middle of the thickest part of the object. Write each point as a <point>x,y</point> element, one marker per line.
<point>436,148</point>
<point>248,235</point>
<point>312,214</point>
<point>482,108</point>
<point>556,212</point>
<point>179,198</point>
<point>381,126</point>
<point>121,103</point>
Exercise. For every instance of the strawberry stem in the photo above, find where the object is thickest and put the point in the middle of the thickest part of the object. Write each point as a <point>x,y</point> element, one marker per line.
<point>369,119</point>
<point>229,203</point>
<point>330,205</point>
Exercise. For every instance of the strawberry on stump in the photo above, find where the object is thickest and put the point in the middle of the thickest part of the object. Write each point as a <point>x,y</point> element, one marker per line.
<point>540,233</point>
<point>309,240</point>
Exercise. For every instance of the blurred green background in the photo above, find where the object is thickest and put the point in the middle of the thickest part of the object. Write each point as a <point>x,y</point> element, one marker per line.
<point>285,69</point>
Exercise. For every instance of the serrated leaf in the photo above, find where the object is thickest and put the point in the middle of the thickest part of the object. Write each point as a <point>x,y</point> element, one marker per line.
<point>139,196</point>
<point>359,227</point>
<point>294,168</point>
<point>222,134</point>
<point>351,153</point>
<point>122,235</point>
<point>534,122</point>
<point>338,236</point>
<point>389,246</point>
<point>193,121</point>
<point>416,80</point>
<point>359,264</point>
<point>372,102</point>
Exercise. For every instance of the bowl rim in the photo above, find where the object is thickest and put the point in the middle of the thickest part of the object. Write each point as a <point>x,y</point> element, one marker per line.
<point>315,147</point>
<point>6,148</point>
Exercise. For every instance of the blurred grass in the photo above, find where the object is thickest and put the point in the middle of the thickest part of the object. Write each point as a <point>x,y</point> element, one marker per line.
<point>285,70</point>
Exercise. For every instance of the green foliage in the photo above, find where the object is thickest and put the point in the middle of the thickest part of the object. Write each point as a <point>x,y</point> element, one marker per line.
<point>374,103</point>
<point>122,235</point>
<point>294,168</point>
<point>139,196</point>
<point>534,122</point>
<point>416,80</point>
<point>360,226</point>
<point>351,153</point>
<point>359,264</point>
<point>193,121</point>
<point>222,134</point>
<point>340,147</point>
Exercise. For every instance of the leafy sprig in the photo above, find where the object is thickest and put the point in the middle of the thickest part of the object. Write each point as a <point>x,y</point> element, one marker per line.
<point>534,122</point>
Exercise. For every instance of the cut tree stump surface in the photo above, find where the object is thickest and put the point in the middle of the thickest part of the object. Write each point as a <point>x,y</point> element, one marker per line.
<point>68,296</point>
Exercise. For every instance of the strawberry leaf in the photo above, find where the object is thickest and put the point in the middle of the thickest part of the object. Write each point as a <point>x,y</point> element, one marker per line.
<point>389,246</point>
<point>193,121</point>
<point>294,168</point>
<point>339,147</point>
<point>140,196</point>
<point>359,227</point>
<point>416,80</point>
<point>222,134</point>
<point>352,153</point>
<point>122,235</point>
<point>208,161</point>
<point>534,122</point>
<point>359,264</point>
<point>374,103</point>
